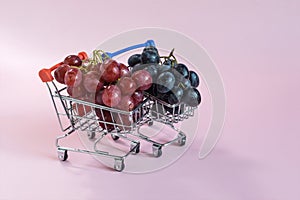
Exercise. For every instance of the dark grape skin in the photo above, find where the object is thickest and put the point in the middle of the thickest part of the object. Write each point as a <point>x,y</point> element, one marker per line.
<point>124,71</point>
<point>175,95</point>
<point>109,71</point>
<point>73,60</point>
<point>194,79</point>
<point>148,57</point>
<point>137,97</point>
<point>191,97</point>
<point>73,77</point>
<point>143,79</point>
<point>134,60</point>
<point>182,69</point>
<point>151,48</point>
<point>127,85</point>
<point>165,82</point>
<point>111,96</point>
<point>162,96</point>
<point>60,72</point>
<point>175,110</point>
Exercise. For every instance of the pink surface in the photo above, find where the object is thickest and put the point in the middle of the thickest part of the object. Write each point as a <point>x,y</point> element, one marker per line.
<point>255,45</point>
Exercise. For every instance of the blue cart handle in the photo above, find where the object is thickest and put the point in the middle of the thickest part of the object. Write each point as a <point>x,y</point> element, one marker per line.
<point>146,44</point>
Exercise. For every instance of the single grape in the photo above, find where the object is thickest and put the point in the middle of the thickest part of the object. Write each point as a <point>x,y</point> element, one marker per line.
<point>182,69</point>
<point>194,79</point>
<point>134,60</point>
<point>142,79</point>
<point>73,60</point>
<point>91,82</point>
<point>76,92</point>
<point>126,103</point>
<point>150,57</point>
<point>137,97</point>
<point>124,71</point>
<point>109,71</point>
<point>165,82</point>
<point>127,85</point>
<point>59,73</point>
<point>73,77</point>
<point>111,96</point>
<point>191,97</point>
<point>175,95</point>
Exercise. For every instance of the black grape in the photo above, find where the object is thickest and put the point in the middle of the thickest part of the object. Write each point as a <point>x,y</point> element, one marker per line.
<point>194,79</point>
<point>150,57</point>
<point>191,97</point>
<point>165,82</point>
<point>134,60</point>
<point>175,95</point>
<point>182,69</point>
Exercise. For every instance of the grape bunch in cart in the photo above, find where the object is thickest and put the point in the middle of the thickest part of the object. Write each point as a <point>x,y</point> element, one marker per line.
<point>102,97</point>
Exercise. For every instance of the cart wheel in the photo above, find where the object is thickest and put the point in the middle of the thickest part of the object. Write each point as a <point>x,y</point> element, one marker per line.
<point>91,134</point>
<point>114,137</point>
<point>62,155</point>
<point>119,164</point>
<point>136,146</point>
<point>157,151</point>
<point>182,139</point>
<point>150,123</point>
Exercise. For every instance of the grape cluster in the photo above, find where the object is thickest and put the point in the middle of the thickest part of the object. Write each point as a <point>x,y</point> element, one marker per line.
<point>107,83</point>
<point>173,82</point>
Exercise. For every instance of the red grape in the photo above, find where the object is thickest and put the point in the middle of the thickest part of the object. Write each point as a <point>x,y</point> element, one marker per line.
<point>111,96</point>
<point>73,77</point>
<point>91,82</point>
<point>127,85</point>
<point>73,60</point>
<point>105,116</point>
<point>109,71</point>
<point>76,92</point>
<point>137,97</point>
<point>81,109</point>
<point>124,71</point>
<point>98,97</point>
<point>59,73</point>
<point>126,103</point>
<point>124,121</point>
<point>142,79</point>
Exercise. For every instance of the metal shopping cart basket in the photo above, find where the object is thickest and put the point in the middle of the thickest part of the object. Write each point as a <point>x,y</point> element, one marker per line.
<point>92,119</point>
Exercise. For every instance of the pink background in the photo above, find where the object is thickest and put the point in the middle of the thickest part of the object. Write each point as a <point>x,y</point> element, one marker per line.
<point>255,45</point>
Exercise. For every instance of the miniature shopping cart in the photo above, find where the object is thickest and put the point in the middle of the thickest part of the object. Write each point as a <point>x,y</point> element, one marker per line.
<point>83,116</point>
